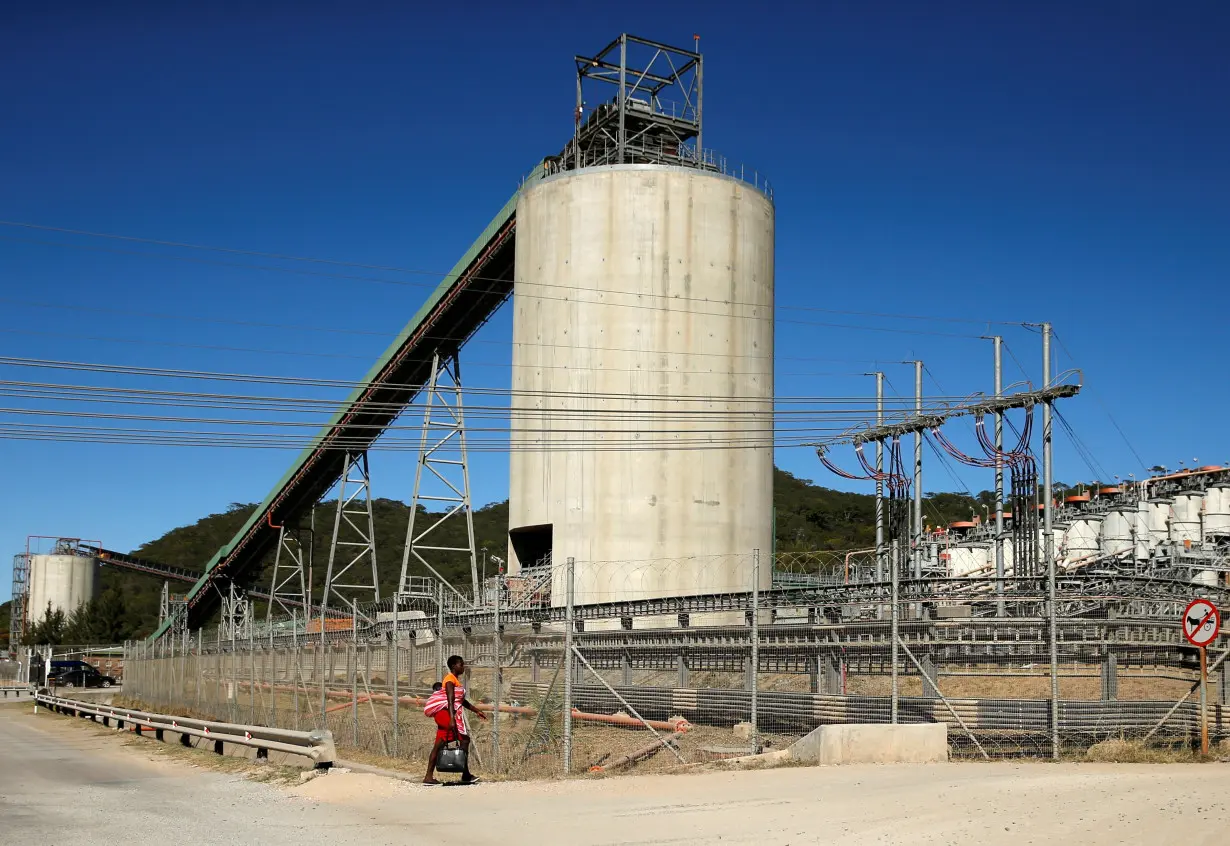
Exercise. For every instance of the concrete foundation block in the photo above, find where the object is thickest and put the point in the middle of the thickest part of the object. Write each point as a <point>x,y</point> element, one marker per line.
<point>876,743</point>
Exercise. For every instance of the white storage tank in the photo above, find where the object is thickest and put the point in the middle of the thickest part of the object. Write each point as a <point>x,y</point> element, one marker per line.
<point>1185,514</point>
<point>65,582</point>
<point>1145,542</point>
<point>966,560</point>
<point>1159,521</point>
<point>1116,531</point>
<point>1081,539</point>
<point>1060,543</point>
<point>1217,510</point>
<point>642,350</point>
<point>1205,578</point>
<point>1006,545</point>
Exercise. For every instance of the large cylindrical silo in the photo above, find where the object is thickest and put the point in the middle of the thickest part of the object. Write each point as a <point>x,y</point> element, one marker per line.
<point>643,381</point>
<point>63,582</point>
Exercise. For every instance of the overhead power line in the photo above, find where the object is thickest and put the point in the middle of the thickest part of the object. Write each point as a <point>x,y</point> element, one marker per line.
<point>433,273</point>
<point>251,324</point>
<point>1109,416</point>
<point>469,363</point>
<point>300,381</point>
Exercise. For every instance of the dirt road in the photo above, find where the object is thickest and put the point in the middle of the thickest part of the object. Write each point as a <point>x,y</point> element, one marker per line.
<point>67,783</point>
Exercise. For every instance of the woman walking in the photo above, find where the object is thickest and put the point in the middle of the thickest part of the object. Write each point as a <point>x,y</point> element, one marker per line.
<point>455,706</point>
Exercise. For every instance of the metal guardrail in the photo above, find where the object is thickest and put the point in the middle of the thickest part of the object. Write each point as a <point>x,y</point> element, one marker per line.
<point>317,745</point>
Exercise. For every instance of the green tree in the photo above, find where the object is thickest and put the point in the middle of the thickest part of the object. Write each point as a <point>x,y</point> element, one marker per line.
<point>48,630</point>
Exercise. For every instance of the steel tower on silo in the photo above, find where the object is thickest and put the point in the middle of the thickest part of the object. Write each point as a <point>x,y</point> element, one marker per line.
<point>642,344</point>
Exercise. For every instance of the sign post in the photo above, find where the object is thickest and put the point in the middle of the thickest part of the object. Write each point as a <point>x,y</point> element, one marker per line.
<point>1201,625</point>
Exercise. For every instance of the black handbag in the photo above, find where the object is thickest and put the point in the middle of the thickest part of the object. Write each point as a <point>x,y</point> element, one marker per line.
<point>453,758</point>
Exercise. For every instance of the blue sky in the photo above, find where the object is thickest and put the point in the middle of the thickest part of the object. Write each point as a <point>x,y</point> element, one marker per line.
<point>983,161</point>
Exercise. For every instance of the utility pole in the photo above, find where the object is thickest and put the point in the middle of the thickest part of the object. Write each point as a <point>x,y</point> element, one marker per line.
<point>999,480</point>
<point>879,483</point>
<point>1048,536</point>
<point>917,552</point>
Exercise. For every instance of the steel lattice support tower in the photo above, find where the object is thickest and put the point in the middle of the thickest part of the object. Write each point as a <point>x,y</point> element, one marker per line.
<point>442,454</point>
<point>21,585</point>
<point>236,623</point>
<point>288,587</point>
<point>173,608</point>
<point>353,545</point>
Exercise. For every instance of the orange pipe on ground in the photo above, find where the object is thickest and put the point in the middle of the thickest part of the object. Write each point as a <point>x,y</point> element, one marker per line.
<point>679,725</point>
<point>346,705</point>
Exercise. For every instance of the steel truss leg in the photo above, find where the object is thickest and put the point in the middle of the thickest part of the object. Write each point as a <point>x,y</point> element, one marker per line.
<point>446,483</point>
<point>351,575</point>
<point>288,587</point>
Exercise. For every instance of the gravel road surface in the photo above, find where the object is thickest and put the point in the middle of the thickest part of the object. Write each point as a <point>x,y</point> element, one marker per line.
<point>66,782</point>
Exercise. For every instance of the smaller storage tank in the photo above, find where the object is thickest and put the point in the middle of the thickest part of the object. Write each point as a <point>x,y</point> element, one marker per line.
<point>1144,538</point>
<point>1217,510</point>
<point>1116,533</point>
<point>65,582</point>
<point>965,560</point>
<point>1205,578</point>
<point>1159,521</point>
<point>1060,531</point>
<point>1006,545</point>
<point>1081,540</point>
<point>1185,517</point>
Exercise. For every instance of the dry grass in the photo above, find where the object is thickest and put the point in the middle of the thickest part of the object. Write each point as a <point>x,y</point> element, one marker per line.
<point>1137,752</point>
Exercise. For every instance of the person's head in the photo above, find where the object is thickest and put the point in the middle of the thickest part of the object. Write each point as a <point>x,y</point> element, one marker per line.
<point>437,686</point>
<point>456,665</point>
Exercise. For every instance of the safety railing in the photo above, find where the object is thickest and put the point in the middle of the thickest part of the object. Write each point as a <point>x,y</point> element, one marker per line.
<point>316,745</point>
<point>604,151</point>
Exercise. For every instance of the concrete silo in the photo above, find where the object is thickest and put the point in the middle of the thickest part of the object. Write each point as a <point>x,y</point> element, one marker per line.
<point>62,580</point>
<point>643,358</point>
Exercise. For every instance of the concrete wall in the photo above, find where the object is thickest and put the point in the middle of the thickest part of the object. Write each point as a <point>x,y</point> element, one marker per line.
<point>912,743</point>
<point>66,581</point>
<point>642,351</point>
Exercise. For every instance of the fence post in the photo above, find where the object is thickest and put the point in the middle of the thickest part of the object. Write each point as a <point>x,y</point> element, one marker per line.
<point>186,649</point>
<point>754,736</point>
<point>1110,677</point>
<point>252,677</point>
<point>570,625</point>
<point>439,671</point>
<point>354,677</point>
<point>396,673</point>
<point>1052,613</point>
<point>894,616</point>
<point>196,676</point>
<point>499,673</point>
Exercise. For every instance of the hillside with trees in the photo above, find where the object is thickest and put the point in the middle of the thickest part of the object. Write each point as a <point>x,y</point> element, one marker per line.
<point>807,518</point>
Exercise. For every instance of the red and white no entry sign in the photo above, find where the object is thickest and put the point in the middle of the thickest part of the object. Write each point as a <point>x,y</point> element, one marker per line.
<point>1201,622</point>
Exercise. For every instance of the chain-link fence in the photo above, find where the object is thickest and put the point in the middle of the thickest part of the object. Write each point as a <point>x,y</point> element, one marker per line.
<point>610,666</point>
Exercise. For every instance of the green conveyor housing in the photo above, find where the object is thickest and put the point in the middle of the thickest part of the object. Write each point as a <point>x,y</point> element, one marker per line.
<point>475,288</point>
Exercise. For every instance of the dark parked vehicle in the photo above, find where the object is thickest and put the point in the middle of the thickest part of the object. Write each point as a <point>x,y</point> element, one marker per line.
<point>77,674</point>
<point>81,678</point>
